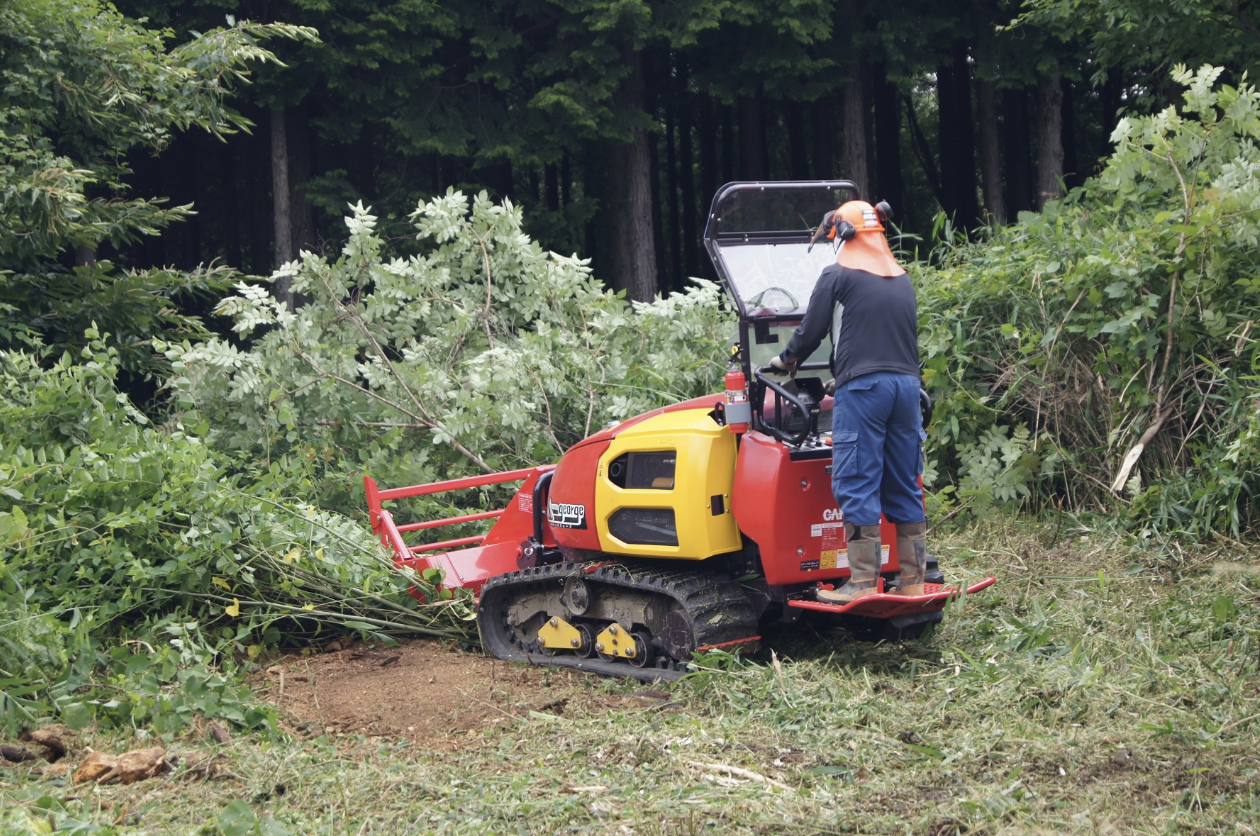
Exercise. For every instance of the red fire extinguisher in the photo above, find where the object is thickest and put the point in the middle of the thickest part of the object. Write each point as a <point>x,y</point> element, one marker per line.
<point>738,410</point>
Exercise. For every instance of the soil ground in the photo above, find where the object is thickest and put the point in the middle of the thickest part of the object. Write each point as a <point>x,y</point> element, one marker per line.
<point>424,690</point>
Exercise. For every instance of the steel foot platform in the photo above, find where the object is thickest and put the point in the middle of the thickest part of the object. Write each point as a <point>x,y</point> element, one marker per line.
<point>885,605</point>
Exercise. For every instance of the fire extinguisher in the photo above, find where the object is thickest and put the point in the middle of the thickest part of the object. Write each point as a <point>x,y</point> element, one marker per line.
<point>738,410</point>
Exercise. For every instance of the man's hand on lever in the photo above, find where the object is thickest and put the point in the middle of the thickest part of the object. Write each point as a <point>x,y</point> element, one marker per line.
<point>783,367</point>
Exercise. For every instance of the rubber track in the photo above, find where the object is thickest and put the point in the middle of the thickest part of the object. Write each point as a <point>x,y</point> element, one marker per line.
<point>717,607</point>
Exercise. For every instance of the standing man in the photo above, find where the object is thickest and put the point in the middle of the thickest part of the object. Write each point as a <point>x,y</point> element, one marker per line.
<point>865,301</point>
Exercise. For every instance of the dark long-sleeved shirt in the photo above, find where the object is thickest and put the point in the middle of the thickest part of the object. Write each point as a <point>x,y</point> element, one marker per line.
<point>871,319</point>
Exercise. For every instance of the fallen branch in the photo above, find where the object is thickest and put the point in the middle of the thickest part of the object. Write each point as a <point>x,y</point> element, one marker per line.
<point>1135,452</point>
<point>741,773</point>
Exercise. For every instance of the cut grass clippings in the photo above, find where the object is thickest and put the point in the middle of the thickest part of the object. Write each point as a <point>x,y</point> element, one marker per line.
<point>1088,692</point>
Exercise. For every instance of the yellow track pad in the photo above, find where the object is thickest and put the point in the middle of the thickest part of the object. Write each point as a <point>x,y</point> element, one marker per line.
<point>615,640</point>
<point>559,634</point>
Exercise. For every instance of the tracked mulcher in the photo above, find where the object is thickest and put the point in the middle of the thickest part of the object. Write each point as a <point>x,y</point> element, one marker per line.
<point>691,527</point>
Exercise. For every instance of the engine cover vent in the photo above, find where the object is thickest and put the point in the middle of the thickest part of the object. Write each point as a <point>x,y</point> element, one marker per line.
<point>644,526</point>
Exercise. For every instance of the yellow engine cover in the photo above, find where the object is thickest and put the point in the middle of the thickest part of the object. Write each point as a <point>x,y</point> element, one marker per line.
<point>643,507</point>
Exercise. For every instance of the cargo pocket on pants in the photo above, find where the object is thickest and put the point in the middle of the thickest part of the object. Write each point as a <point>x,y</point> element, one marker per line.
<point>844,454</point>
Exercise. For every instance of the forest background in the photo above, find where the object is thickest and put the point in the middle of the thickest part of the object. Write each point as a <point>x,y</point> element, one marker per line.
<point>249,253</point>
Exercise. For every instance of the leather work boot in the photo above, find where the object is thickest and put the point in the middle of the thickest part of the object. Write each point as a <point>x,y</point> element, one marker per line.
<point>912,554</point>
<point>863,566</point>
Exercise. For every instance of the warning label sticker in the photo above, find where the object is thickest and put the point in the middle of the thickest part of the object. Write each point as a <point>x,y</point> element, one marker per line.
<point>526,503</point>
<point>838,559</point>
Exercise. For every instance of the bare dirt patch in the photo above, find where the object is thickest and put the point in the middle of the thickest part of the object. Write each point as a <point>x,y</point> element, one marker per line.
<point>420,690</point>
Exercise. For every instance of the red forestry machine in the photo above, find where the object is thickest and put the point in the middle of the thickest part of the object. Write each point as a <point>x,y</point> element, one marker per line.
<point>693,526</point>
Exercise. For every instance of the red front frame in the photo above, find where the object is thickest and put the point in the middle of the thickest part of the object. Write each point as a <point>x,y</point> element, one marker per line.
<point>492,553</point>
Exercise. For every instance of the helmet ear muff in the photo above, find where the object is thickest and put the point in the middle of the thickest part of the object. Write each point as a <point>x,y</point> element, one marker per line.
<point>884,212</point>
<point>845,231</point>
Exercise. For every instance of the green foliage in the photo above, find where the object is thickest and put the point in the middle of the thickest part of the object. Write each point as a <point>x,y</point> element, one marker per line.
<point>483,353</point>
<point>81,87</point>
<point>133,554</point>
<point>1127,310</point>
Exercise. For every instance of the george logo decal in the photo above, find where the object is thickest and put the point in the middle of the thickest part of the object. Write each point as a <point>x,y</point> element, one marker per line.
<point>566,515</point>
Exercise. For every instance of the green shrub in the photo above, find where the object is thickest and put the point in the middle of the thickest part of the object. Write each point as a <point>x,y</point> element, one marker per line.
<point>1125,313</point>
<point>485,353</point>
<point>130,551</point>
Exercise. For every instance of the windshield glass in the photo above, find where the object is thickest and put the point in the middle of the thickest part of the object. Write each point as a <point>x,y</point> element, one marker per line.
<point>776,277</point>
<point>759,237</point>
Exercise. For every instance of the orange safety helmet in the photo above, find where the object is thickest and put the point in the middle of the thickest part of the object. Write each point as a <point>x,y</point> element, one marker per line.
<point>863,216</point>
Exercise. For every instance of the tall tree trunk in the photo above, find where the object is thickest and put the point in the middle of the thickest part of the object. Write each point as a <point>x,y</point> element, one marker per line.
<point>708,137</point>
<point>670,97</point>
<point>686,174</point>
<point>633,243</point>
<point>965,139</point>
<point>299,142</point>
<point>798,165</point>
<point>856,125</point>
<point>888,181</point>
<point>281,214</point>
<point>752,149</point>
<point>660,270</point>
<point>1017,151</point>
<point>1049,140</point>
<point>990,166</point>
<point>822,139</point>
<point>1071,167</point>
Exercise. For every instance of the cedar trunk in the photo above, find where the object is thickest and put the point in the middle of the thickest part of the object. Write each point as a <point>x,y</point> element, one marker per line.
<point>888,181</point>
<point>282,218</point>
<point>1049,140</point>
<point>990,167</point>
<point>686,176</point>
<point>633,239</point>
<point>671,194</point>
<point>855,129</point>
<point>299,142</point>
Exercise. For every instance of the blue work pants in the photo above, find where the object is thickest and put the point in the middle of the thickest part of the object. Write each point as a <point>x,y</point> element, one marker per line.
<point>877,449</point>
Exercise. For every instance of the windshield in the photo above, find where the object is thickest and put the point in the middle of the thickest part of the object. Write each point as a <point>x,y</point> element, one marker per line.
<point>758,236</point>
<point>777,277</point>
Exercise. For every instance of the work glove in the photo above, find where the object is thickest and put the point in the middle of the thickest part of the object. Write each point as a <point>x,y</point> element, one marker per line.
<point>781,367</point>
<point>829,388</point>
